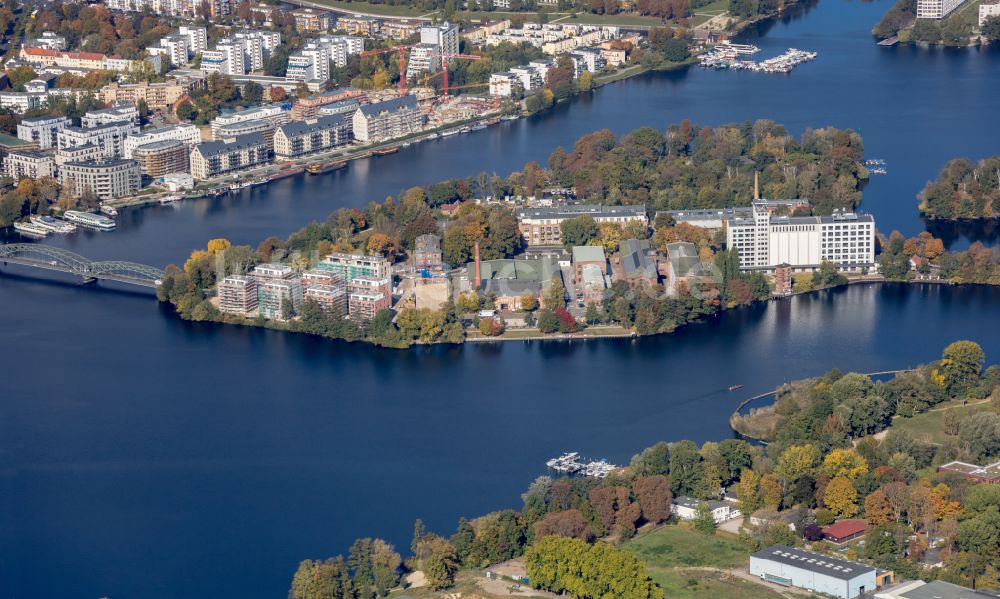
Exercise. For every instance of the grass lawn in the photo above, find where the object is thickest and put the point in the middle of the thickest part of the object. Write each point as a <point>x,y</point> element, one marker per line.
<point>929,425</point>
<point>673,555</point>
<point>375,9</point>
<point>716,7</point>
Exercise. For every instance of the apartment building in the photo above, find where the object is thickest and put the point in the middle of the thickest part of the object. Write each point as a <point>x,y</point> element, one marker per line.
<point>308,107</point>
<point>543,226</point>
<point>401,29</point>
<point>352,266</point>
<point>587,60</point>
<point>764,241</point>
<point>936,9</point>
<point>988,11</point>
<point>214,158</point>
<point>181,8</point>
<point>42,130</point>
<point>174,48</point>
<point>21,102</point>
<point>31,164</point>
<point>312,63</point>
<point>364,306</point>
<point>312,19</point>
<point>328,289</point>
<point>48,40</point>
<point>157,96</point>
<point>187,134</point>
<point>197,38</point>
<point>385,120</point>
<point>265,128</point>
<point>299,138</point>
<point>272,113</point>
<point>238,295</point>
<point>105,179</point>
<point>90,61</point>
<point>110,138</point>
<point>162,158</point>
<point>120,112</point>
<point>358,25</point>
<point>276,285</point>
<point>82,153</point>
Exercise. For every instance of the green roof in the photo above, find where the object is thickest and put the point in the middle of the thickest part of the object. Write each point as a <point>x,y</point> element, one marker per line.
<point>588,253</point>
<point>10,140</point>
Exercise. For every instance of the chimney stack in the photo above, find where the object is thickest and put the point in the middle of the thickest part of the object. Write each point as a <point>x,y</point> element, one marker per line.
<point>756,185</point>
<point>479,277</point>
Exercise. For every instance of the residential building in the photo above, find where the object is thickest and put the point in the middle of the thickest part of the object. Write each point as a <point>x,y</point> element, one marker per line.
<point>323,277</point>
<point>444,36</point>
<point>187,134</point>
<point>182,8</point>
<point>312,19</point>
<point>389,119</point>
<point>197,38</point>
<point>980,474</point>
<point>792,567</point>
<point>174,48</point>
<point>162,158</point>
<point>988,11</point>
<point>120,112</point>
<point>214,158</point>
<point>639,263</point>
<point>364,306</point>
<point>113,178</point>
<point>268,112</point>
<point>341,47</point>
<point>423,58</point>
<point>31,164</point>
<point>157,96</point>
<point>308,107</point>
<point>936,9</point>
<point>42,130</point>
<point>110,138</point>
<point>37,86</point>
<point>276,285</point>
<point>763,241</point>
<point>312,63</point>
<point>89,61</point>
<point>21,102</point>
<point>401,29</point>
<point>299,138</point>
<point>238,295</point>
<point>505,85</point>
<point>332,299</point>
<point>587,255</point>
<point>427,252</point>
<point>686,508</point>
<point>77,154</point>
<point>358,25</point>
<point>587,60</point>
<point>352,266</point>
<point>344,107</point>
<point>48,40</point>
<point>542,226</point>
<point>265,128</point>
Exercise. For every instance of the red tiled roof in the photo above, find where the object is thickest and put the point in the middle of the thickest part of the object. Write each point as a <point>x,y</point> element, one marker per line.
<point>845,528</point>
<point>54,53</point>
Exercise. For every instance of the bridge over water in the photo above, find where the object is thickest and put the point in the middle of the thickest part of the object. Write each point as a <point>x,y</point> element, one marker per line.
<point>46,257</point>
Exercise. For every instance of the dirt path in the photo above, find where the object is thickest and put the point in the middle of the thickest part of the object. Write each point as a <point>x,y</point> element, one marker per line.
<point>787,592</point>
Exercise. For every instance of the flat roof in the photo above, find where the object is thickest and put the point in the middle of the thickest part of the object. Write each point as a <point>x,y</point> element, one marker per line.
<point>580,210</point>
<point>588,253</point>
<point>692,503</point>
<point>813,562</point>
<point>938,589</point>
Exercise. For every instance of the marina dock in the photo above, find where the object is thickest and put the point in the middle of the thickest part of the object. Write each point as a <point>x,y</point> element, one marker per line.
<point>572,463</point>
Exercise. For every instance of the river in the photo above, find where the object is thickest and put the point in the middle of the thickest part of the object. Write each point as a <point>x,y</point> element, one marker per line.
<point>142,456</point>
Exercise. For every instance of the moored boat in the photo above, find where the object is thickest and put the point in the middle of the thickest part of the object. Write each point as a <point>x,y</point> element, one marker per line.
<point>318,168</point>
<point>89,219</point>
<point>385,151</point>
<point>171,199</point>
<point>109,210</point>
<point>53,225</point>
<point>31,229</point>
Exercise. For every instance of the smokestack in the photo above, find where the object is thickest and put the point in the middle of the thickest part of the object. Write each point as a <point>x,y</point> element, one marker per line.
<point>475,284</point>
<point>756,185</point>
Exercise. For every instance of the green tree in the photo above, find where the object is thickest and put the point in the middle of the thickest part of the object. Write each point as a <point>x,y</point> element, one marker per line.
<point>962,363</point>
<point>703,519</point>
<point>441,564</point>
<point>580,230</point>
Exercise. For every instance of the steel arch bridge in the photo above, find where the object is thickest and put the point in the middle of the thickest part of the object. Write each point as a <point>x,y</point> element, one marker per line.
<point>52,258</point>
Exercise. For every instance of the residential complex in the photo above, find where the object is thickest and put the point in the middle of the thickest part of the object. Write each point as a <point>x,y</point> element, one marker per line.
<point>543,226</point>
<point>162,158</point>
<point>936,9</point>
<point>109,138</point>
<point>42,130</point>
<point>187,134</point>
<point>385,120</point>
<point>274,114</point>
<point>238,295</point>
<point>103,178</point>
<point>119,112</point>
<point>214,158</point>
<point>157,96</point>
<point>352,266</point>
<point>31,164</point>
<point>299,138</point>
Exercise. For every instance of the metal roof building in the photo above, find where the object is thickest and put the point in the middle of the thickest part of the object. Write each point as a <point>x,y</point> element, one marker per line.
<point>793,567</point>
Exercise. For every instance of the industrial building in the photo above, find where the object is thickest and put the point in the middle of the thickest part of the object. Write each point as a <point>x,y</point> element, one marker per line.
<point>789,566</point>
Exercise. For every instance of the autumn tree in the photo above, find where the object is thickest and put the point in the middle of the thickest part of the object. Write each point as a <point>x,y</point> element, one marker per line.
<point>654,497</point>
<point>841,497</point>
<point>877,509</point>
<point>568,523</point>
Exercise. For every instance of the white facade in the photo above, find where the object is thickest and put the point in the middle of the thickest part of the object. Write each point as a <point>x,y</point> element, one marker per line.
<point>189,134</point>
<point>503,84</point>
<point>108,138</point>
<point>272,113</point>
<point>423,57</point>
<point>936,9</point>
<point>444,36</point>
<point>987,11</point>
<point>789,566</point>
<point>43,130</point>
<point>176,48</point>
<point>686,508</point>
<point>30,164</point>
<point>763,242</point>
<point>20,102</point>
<point>120,112</point>
<point>197,38</point>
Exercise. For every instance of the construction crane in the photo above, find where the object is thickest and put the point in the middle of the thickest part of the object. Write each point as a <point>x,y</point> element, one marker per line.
<point>402,62</point>
<point>444,65</point>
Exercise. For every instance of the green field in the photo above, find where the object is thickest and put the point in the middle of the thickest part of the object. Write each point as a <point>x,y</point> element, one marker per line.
<point>683,562</point>
<point>929,425</point>
<point>374,9</point>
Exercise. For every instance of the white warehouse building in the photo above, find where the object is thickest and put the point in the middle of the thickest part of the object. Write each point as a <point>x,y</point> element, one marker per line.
<point>814,572</point>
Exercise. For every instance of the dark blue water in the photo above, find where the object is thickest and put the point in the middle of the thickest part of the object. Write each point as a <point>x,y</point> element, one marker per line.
<point>141,456</point>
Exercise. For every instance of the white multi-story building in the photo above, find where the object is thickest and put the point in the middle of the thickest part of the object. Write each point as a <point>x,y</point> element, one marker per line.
<point>389,119</point>
<point>104,178</point>
<point>214,158</point>
<point>763,241</point>
<point>30,164</point>
<point>109,138</point>
<point>504,85</point>
<point>21,102</point>
<point>272,113</point>
<point>253,50</point>
<point>423,57</point>
<point>987,11</point>
<point>175,47</point>
<point>309,64</point>
<point>188,134</point>
<point>529,77</point>
<point>936,9</point>
<point>49,41</point>
<point>299,138</point>
<point>120,112</point>
<point>444,36</point>
<point>587,59</point>
<point>197,38</point>
<point>43,130</point>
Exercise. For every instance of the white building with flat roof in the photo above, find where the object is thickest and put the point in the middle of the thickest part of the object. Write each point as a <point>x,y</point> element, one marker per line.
<point>43,130</point>
<point>987,11</point>
<point>936,9</point>
<point>189,134</point>
<point>792,567</point>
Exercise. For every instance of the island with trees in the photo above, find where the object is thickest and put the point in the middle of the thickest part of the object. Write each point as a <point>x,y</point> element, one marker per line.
<point>964,190</point>
<point>841,446</point>
<point>687,166</point>
<point>960,28</point>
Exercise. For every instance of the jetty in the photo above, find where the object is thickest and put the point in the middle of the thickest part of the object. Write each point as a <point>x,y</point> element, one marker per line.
<point>724,57</point>
<point>572,463</point>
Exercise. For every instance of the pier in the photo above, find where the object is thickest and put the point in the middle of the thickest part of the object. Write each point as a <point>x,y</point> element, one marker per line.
<point>56,259</point>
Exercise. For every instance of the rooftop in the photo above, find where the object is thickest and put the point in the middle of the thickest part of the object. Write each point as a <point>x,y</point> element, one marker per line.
<point>210,148</point>
<point>813,562</point>
<point>400,103</point>
<point>580,210</point>
<point>684,259</point>
<point>588,253</point>
<point>322,123</point>
<point>845,528</point>
<point>938,589</point>
<point>636,259</point>
<point>692,503</point>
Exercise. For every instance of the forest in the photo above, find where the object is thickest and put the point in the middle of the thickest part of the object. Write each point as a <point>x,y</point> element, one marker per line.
<point>823,464</point>
<point>963,190</point>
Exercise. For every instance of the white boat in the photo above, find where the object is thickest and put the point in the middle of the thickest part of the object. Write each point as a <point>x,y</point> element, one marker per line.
<point>510,117</point>
<point>450,133</point>
<point>235,186</point>
<point>89,219</point>
<point>478,127</point>
<point>109,210</point>
<point>31,229</point>
<point>53,225</point>
<point>171,199</point>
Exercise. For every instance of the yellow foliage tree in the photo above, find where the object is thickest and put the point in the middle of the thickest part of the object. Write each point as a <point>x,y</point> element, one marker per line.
<point>798,461</point>
<point>770,490</point>
<point>193,260</point>
<point>609,235</point>
<point>877,509</point>
<point>942,505</point>
<point>218,245</point>
<point>841,497</point>
<point>379,243</point>
<point>846,463</point>
<point>748,491</point>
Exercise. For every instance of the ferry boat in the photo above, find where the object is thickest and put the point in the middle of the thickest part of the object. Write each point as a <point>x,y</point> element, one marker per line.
<point>89,219</point>
<point>478,127</point>
<point>31,230</point>
<point>234,187</point>
<point>510,117</point>
<point>385,151</point>
<point>109,210</point>
<point>171,199</point>
<point>450,133</point>
<point>318,168</point>
<point>257,181</point>
<point>52,224</point>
